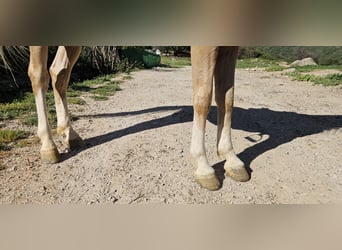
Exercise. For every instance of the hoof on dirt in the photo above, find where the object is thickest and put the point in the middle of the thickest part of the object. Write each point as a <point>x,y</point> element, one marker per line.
<point>238,173</point>
<point>209,182</point>
<point>75,143</point>
<point>49,156</point>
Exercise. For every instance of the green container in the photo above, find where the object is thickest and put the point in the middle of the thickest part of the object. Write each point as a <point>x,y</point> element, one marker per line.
<point>140,57</point>
<point>151,60</point>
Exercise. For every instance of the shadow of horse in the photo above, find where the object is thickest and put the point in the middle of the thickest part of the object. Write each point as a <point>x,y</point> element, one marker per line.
<point>280,126</point>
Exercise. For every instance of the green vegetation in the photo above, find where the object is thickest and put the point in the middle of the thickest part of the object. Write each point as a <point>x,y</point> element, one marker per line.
<point>305,73</point>
<point>300,73</point>
<point>323,55</point>
<point>100,88</point>
<point>175,62</point>
<point>8,136</point>
<point>328,80</point>
<point>24,109</point>
<point>75,100</point>
<point>127,77</point>
<point>310,68</point>
<point>18,107</point>
<point>269,65</point>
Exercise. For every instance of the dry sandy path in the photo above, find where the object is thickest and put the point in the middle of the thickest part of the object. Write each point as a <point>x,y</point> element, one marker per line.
<point>289,133</point>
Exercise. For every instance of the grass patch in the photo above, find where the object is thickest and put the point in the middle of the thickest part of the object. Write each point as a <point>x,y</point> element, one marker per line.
<point>8,136</point>
<point>310,68</point>
<point>103,91</point>
<point>30,120</point>
<point>76,101</point>
<point>18,107</point>
<point>175,62</point>
<point>99,98</point>
<point>328,80</point>
<point>254,63</point>
<point>303,74</point>
<point>25,109</point>
<point>101,87</point>
<point>107,89</point>
<point>298,74</point>
<point>275,67</point>
<point>127,77</point>
<point>268,65</point>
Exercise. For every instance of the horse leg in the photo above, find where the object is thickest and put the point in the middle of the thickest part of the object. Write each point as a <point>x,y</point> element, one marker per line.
<point>224,97</point>
<point>39,77</point>
<point>60,72</point>
<point>203,61</point>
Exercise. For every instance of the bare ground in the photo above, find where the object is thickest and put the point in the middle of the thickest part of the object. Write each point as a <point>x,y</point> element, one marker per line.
<point>137,146</point>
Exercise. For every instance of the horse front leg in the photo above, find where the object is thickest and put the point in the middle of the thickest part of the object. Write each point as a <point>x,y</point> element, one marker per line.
<point>60,72</point>
<point>224,96</point>
<point>39,77</point>
<point>203,63</point>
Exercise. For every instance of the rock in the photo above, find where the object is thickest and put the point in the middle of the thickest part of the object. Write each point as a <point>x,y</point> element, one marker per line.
<point>290,70</point>
<point>14,168</point>
<point>303,62</point>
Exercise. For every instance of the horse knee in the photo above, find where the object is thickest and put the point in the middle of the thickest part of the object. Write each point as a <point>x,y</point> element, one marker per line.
<point>59,78</point>
<point>39,79</point>
<point>202,104</point>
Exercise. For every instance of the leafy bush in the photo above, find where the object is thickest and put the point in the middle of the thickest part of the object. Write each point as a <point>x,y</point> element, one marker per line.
<point>93,61</point>
<point>99,60</point>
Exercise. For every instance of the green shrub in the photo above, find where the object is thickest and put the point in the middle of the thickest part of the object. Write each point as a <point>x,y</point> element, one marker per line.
<point>7,136</point>
<point>175,62</point>
<point>328,80</point>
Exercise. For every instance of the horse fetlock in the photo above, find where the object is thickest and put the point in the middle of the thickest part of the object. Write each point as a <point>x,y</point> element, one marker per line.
<point>61,130</point>
<point>204,173</point>
<point>199,159</point>
<point>72,139</point>
<point>220,155</point>
<point>225,149</point>
<point>236,170</point>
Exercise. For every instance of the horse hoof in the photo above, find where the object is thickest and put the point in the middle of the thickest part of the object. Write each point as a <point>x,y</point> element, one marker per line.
<point>238,174</point>
<point>209,182</point>
<point>49,156</point>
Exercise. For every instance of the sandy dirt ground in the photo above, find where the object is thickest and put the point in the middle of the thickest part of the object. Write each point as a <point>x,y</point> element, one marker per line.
<point>137,146</point>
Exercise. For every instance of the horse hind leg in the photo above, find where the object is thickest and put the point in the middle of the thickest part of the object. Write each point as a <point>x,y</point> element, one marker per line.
<point>60,72</point>
<point>39,77</point>
<point>224,96</point>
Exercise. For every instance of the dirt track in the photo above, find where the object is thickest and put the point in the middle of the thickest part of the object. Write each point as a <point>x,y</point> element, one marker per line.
<point>289,133</point>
